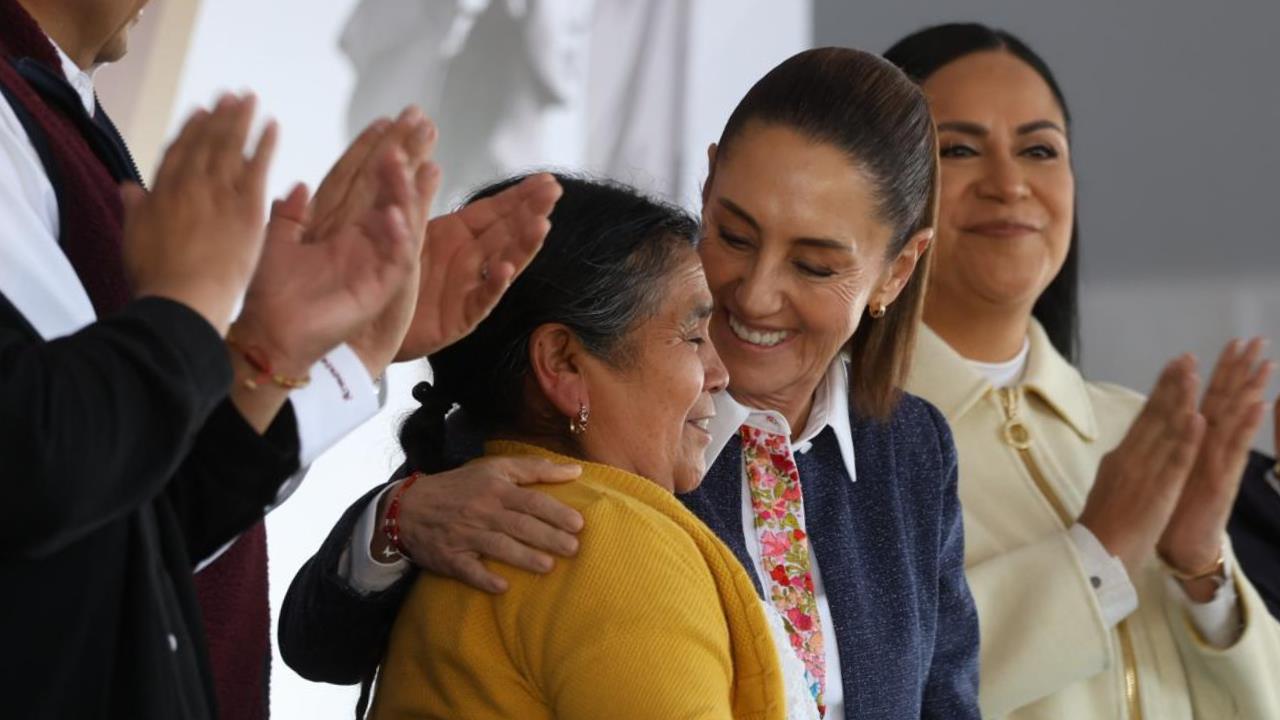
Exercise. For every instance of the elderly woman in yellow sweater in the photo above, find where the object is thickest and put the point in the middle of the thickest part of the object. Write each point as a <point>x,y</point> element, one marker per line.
<point>596,356</point>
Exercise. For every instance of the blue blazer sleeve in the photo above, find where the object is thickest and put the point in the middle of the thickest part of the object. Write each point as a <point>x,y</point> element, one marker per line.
<point>951,690</point>
<point>329,632</point>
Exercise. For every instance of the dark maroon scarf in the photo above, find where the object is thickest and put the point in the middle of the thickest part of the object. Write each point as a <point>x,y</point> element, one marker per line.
<point>86,160</point>
<point>91,214</point>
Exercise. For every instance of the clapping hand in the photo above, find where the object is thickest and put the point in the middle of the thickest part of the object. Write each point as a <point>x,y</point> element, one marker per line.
<point>1139,482</point>
<point>471,256</point>
<point>336,265</point>
<point>197,237</point>
<point>1233,408</point>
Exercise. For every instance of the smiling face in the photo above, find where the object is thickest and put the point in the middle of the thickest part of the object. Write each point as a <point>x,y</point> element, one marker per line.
<point>649,409</point>
<point>1008,192</point>
<point>793,252</point>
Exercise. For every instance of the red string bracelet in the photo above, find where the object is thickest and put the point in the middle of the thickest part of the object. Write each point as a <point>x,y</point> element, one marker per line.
<point>261,364</point>
<point>391,521</point>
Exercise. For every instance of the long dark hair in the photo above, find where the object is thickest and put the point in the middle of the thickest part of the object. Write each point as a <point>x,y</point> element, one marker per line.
<point>603,267</point>
<point>871,111</point>
<point>923,53</point>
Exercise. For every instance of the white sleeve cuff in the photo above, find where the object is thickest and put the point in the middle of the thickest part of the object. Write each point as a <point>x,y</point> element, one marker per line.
<point>357,565</point>
<point>1218,620</point>
<point>1116,594</point>
<point>340,398</point>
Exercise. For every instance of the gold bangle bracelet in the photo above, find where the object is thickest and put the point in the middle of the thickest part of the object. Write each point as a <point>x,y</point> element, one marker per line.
<point>1214,569</point>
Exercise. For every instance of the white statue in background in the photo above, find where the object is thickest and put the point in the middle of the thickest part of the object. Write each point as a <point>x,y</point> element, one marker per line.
<point>520,84</point>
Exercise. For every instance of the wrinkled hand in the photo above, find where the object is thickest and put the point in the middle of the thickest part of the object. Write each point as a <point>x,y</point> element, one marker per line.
<point>1233,408</point>
<point>330,267</point>
<point>1139,482</point>
<point>470,258</point>
<point>450,521</point>
<point>197,237</point>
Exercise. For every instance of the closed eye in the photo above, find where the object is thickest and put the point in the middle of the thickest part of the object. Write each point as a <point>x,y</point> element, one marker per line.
<point>813,270</point>
<point>734,241</point>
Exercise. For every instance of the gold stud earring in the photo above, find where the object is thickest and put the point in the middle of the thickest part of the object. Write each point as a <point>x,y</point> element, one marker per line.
<point>578,425</point>
<point>877,310</point>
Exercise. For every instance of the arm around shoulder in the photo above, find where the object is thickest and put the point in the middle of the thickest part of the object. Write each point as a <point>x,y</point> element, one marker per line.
<point>330,632</point>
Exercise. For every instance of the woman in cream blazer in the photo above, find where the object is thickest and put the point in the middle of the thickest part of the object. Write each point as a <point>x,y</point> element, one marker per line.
<point>1073,493</point>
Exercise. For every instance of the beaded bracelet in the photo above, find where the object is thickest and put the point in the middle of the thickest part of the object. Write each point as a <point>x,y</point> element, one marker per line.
<point>391,521</point>
<point>261,364</point>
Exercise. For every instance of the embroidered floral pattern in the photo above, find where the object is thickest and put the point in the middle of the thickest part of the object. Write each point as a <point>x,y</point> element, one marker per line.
<point>778,508</point>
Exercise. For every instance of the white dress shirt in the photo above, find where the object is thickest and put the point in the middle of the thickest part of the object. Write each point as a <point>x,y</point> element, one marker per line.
<point>1218,620</point>
<point>37,277</point>
<point>830,409</point>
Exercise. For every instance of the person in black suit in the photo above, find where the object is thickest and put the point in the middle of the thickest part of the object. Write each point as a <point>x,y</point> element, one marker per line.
<point>124,458</point>
<point>1255,523</point>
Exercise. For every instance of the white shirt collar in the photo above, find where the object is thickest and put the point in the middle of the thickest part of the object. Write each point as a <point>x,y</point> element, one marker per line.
<point>830,409</point>
<point>81,80</point>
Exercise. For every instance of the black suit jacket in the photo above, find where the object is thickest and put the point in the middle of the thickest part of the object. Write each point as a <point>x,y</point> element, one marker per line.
<point>123,464</point>
<point>1255,529</point>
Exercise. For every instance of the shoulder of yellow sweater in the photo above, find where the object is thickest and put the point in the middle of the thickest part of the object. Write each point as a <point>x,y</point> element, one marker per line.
<point>617,525</point>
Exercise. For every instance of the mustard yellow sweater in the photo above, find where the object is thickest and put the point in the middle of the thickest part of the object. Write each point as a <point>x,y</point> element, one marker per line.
<point>654,618</point>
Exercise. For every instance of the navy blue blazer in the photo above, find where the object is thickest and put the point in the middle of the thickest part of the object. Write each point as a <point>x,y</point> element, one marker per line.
<point>891,550</point>
<point>890,547</point>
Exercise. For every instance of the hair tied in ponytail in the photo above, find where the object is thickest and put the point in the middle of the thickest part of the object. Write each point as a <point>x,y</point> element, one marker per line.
<point>434,402</point>
<point>423,433</point>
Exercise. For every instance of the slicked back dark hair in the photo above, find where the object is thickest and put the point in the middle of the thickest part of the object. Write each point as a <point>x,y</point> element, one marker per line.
<point>873,113</point>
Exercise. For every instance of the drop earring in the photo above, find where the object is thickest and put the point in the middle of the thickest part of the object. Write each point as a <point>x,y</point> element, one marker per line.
<point>578,425</point>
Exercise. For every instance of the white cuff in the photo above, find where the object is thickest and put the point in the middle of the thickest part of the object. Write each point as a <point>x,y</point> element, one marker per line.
<point>340,397</point>
<point>357,565</point>
<point>1218,620</point>
<point>1116,594</point>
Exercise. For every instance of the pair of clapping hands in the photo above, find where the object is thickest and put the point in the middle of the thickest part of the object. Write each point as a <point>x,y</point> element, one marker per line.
<point>1170,485</point>
<point>356,263</point>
